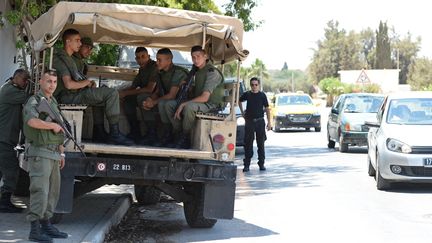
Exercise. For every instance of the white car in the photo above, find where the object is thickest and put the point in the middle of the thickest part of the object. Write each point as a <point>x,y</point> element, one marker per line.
<point>400,144</point>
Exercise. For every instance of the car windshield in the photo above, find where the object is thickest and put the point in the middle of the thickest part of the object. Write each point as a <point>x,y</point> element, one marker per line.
<point>294,100</point>
<point>412,111</point>
<point>362,104</point>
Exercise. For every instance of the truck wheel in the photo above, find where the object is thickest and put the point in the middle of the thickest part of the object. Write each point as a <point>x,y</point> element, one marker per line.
<point>56,218</point>
<point>147,195</point>
<point>194,208</point>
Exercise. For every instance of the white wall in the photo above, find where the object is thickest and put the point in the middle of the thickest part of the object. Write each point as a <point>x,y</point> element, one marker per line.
<point>7,47</point>
<point>387,79</point>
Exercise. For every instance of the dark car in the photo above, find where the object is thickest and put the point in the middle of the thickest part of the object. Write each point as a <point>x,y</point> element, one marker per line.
<point>347,117</point>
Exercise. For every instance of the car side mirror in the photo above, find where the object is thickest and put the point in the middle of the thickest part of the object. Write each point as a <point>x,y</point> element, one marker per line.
<point>372,124</point>
<point>334,111</point>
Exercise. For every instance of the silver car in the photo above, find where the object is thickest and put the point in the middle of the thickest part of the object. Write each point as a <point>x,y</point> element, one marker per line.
<point>346,120</point>
<point>400,145</point>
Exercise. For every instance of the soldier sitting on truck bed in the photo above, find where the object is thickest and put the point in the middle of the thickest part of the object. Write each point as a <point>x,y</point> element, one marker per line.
<point>167,86</point>
<point>74,88</point>
<point>99,134</point>
<point>141,89</point>
<point>207,94</point>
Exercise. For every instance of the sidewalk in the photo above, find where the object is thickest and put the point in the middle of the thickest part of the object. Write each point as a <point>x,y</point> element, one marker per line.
<point>92,217</point>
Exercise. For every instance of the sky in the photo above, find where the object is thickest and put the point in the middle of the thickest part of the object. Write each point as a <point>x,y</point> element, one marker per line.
<point>292,28</point>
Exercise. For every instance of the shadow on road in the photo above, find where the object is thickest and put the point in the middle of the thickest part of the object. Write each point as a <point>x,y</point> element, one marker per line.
<point>282,173</point>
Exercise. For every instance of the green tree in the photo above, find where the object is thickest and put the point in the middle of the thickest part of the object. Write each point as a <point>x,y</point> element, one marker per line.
<point>367,43</point>
<point>420,74</point>
<point>405,51</point>
<point>383,55</point>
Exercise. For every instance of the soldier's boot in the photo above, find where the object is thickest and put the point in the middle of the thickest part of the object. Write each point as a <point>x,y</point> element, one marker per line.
<point>135,131</point>
<point>36,233</point>
<point>151,135</point>
<point>117,138</point>
<point>167,137</point>
<point>6,206</point>
<point>48,229</point>
<point>184,141</point>
<point>99,134</point>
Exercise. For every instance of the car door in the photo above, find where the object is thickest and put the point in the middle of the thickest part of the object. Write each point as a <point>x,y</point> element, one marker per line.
<point>332,124</point>
<point>374,133</point>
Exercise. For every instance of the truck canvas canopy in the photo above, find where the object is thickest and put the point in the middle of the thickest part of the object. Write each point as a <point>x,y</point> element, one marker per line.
<point>139,25</point>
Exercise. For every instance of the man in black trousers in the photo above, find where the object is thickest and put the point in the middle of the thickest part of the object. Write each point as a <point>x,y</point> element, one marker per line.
<point>255,124</point>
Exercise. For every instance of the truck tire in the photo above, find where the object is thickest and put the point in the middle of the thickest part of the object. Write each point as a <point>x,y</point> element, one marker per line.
<point>194,208</point>
<point>147,195</point>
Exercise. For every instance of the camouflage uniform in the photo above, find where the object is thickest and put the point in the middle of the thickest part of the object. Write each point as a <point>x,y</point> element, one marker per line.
<point>208,79</point>
<point>43,158</point>
<point>105,97</point>
<point>165,81</point>
<point>12,99</point>
<point>144,76</point>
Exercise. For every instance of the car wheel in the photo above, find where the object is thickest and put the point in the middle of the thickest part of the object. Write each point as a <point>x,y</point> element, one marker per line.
<point>331,144</point>
<point>317,129</point>
<point>381,183</point>
<point>343,147</point>
<point>307,129</point>
<point>371,169</point>
<point>275,127</point>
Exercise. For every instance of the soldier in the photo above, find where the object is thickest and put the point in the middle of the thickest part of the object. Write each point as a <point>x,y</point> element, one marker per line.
<point>12,98</point>
<point>140,90</point>
<point>99,134</point>
<point>45,156</point>
<point>207,94</point>
<point>74,88</point>
<point>168,80</point>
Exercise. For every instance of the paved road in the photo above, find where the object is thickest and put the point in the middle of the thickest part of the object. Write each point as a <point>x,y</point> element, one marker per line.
<point>308,194</point>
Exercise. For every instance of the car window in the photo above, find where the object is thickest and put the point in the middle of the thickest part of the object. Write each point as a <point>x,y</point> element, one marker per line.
<point>410,111</point>
<point>362,104</point>
<point>294,100</point>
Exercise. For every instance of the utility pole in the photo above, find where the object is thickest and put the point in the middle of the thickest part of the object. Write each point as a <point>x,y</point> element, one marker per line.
<point>292,81</point>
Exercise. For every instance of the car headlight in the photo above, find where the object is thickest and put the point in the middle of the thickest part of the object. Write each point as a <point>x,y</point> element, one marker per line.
<point>280,113</point>
<point>398,146</point>
<point>240,121</point>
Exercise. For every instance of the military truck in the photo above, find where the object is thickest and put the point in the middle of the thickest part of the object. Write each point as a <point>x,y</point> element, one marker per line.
<point>203,178</point>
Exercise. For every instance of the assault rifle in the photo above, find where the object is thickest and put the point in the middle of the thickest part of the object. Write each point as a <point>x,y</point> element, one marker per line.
<point>183,93</point>
<point>44,107</point>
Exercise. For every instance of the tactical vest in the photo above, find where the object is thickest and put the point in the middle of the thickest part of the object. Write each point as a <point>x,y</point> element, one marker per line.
<point>40,137</point>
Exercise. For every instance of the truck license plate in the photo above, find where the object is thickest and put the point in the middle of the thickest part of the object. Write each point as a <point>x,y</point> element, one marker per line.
<point>427,162</point>
<point>121,167</point>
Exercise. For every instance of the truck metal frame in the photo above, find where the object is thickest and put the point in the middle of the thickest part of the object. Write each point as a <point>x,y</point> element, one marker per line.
<point>203,178</point>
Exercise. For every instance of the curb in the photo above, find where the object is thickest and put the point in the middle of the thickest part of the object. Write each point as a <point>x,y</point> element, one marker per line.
<point>112,217</point>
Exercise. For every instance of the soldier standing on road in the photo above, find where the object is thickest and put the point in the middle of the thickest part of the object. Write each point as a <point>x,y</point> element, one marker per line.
<point>12,98</point>
<point>45,157</point>
<point>74,88</point>
<point>254,123</point>
<point>168,80</point>
<point>207,94</point>
<point>141,89</point>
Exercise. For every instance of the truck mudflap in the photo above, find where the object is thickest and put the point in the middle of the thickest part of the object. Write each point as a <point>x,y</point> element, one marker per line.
<point>153,169</point>
<point>219,200</point>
